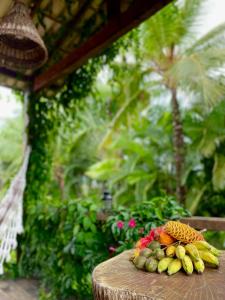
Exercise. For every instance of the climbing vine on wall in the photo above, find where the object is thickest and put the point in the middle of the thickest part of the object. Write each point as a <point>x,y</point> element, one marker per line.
<point>42,125</point>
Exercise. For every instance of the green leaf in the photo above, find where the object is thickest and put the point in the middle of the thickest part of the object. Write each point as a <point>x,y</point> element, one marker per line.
<point>207,146</point>
<point>87,223</point>
<point>219,172</point>
<point>158,213</point>
<point>103,169</point>
<point>76,229</point>
<point>137,176</point>
<point>194,198</point>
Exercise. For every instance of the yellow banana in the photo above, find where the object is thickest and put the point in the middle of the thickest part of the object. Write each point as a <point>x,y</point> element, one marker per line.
<point>170,251</point>
<point>187,265</point>
<point>199,266</point>
<point>203,245</point>
<point>180,252</point>
<point>174,266</point>
<point>209,258</point>
<point>164,263</point>
<point>192,251</point>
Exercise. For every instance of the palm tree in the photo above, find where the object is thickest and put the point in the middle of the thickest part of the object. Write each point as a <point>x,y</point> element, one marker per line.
<point>177,64</point>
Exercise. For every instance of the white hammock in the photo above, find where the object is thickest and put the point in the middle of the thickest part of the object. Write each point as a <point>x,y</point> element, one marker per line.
<point>11,212</point>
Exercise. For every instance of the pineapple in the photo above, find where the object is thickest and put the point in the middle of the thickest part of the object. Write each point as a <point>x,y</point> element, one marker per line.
<point>183,232</point>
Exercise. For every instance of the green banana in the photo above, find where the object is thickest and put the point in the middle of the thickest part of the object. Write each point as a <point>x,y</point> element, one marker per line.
<point>192,251</point>
<point>180,252</point>
<point>187,265</point>
<point>209,258</point>
<point>164,263</point>
<point>203,245</point>
<point>174,266</point>
<point>170,251</point>
<point>199,266</point>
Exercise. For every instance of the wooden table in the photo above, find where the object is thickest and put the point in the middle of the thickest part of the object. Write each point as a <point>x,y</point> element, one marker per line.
<point>118,279</point>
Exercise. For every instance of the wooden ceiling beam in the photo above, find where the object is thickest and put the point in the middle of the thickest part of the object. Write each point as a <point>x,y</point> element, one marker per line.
<point>116,27</point>
<point>52,18</point>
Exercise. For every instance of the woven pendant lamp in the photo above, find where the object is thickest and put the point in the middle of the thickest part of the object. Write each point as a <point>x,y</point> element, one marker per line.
<point>21,47</point>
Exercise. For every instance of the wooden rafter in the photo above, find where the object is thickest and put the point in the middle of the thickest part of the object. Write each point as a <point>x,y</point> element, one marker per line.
<point>16,75</point>
<point>35,6</point>
<point>68,27</point>
<point>116,27</point>
<point>113,8</point>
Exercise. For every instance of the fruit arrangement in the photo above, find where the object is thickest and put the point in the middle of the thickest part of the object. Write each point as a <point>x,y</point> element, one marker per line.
<point>173,247</point>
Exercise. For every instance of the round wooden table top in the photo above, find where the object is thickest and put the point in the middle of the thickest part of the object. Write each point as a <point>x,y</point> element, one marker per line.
<point>117,278</point>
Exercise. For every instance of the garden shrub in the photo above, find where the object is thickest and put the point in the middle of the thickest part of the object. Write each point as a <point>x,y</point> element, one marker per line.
<point>64,241</point>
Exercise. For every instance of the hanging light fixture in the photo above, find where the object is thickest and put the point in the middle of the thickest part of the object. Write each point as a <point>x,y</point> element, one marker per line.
<point>107,198</point>
<point>21,47</point>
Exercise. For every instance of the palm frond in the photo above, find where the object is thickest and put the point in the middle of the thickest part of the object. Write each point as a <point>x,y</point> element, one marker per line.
<point>195,72</point>
<point>123,111</point>
<point>190,12</point>
<point>161,31</point>
<point>131,95</point>
<point>214,38</point>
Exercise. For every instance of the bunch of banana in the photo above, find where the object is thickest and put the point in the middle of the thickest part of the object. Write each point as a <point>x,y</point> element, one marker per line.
<point>191,256</point>
<point>175,257</point>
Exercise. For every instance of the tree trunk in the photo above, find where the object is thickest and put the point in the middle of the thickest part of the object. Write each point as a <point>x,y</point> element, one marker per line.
<point>178,145</point>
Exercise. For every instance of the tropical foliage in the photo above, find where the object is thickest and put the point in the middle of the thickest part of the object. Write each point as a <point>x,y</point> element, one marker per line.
<point>145,121</point>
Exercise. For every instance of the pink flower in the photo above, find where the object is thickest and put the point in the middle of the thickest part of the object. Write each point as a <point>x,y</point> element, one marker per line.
<point>120,224</point>
<point>132,223</point>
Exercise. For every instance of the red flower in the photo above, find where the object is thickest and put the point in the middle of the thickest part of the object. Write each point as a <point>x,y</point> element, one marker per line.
<point>112,249</point>
<point>153,235</point>
<point>144,242</point>
<point>132,223</point>
<point>120,224</point>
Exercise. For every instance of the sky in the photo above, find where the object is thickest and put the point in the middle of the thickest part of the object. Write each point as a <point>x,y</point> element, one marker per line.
<point>213,15</point>
<point>9,107</point>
